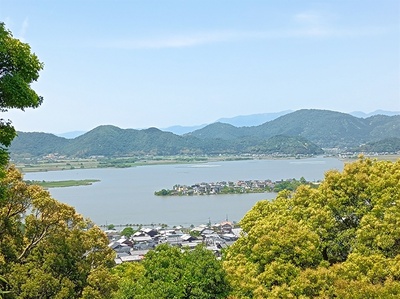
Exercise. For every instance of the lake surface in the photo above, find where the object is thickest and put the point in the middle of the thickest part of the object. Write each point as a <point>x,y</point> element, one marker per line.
<point>126,196</point>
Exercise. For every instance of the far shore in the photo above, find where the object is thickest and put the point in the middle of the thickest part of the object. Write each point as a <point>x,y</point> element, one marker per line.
<point>44,165</point>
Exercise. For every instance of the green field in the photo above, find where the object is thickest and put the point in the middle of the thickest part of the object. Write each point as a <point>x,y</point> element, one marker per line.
<point>59,184</point>
<point>123,162</point>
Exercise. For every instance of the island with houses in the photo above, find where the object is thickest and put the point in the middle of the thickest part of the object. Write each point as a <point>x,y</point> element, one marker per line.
<point>238,187</point>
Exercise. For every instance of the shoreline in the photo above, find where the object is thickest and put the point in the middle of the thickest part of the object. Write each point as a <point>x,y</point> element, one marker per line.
<point>127,162</point>
<point>65,164</point>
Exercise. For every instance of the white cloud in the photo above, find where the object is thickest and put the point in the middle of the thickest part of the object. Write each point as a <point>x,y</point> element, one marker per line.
<point>18,32</point>
<point>8,22</point>
<point>24,27</point>
<point>175,41</point>
<point>309,18</point>
<point>311,24</point>
<point>317,24</point>
<point>183,41</point>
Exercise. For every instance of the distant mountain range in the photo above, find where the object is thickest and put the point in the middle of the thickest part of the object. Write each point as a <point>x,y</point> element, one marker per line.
<point>376,112</point>
<point>301,132</point>
<point>241,121</point>
<point>258,119</point>
<point>323,127</point>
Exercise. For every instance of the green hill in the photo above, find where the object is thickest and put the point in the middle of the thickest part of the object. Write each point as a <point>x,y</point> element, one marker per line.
<point>288,145</point>
<point>110,141</point>
<point>323,127</point>
<point>303,132</point>
<point>387,145</point>
<point>37,144</point>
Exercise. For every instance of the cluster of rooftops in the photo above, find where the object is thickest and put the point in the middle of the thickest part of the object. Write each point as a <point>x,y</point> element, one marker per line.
<point>242,186</point>
<point>134,248</point>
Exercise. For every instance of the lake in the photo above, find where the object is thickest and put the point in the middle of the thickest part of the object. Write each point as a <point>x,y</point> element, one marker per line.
<point>126,196</point>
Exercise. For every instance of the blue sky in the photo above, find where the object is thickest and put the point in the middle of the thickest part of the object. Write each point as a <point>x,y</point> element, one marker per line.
<point>137,64</point>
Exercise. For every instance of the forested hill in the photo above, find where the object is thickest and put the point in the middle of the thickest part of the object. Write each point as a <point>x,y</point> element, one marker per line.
<point>111,141</point>
<point>323,127</point>
<point>301,132</point>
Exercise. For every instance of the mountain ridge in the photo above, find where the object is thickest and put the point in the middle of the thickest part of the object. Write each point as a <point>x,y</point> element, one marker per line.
<point>304,132</point>
<point>324,127</point>
<point>238,121</point>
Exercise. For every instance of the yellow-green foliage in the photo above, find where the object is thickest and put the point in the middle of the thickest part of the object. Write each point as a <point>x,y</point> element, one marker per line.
<point>340,240</point>
<point>47,250</point>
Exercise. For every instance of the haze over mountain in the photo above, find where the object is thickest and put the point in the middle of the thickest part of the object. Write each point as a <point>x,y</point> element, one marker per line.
<point>239,121</point>
<point>323,127</point>
<point>71,135</point>
<point>300,132</point>
<point>258,119</point>
<point>376,112</point>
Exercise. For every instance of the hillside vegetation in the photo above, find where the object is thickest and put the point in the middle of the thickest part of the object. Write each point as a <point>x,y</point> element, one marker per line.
<point>323,127</point>
<point>303,132</point>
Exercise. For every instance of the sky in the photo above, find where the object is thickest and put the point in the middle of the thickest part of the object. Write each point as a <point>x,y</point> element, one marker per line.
<point>140,64</point>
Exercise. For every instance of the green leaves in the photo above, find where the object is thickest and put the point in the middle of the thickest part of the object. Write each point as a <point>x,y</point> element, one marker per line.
<point>18,69</point>
<point>47,250</point>
<point>172,272</point>
<point>340,240</point>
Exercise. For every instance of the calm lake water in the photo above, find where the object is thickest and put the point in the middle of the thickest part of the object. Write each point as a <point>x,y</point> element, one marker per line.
<point>126,196</point>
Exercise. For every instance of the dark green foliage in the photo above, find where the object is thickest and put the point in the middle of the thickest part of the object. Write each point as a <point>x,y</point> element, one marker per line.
<point>163,192</point>
<point>18,69</point>
<point>290,184</point>
<point>127,232</point>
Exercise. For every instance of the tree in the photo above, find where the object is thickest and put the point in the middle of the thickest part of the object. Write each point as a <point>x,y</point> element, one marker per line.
<point>47,250</point>
<point>172,272</point>
<point>127,232</point>
<point>339,240</point>
<point>128,275</point>
<point>18,69</point>
<point>111,226</point>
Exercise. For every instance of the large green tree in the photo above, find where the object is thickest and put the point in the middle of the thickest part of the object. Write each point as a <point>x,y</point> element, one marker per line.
<point>172,272</point>
<point>19,67</point>
<point>340,240</point>
<point>47,250</point>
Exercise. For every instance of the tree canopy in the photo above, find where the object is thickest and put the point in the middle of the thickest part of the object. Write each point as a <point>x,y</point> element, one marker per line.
<point>172,272</point>
<point>340,240</point>
<point>18,69</point>
<point>47,250</point>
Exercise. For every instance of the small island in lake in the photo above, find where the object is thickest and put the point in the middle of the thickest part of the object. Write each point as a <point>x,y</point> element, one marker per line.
<point>59,184</point>
<point>239,187</point>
